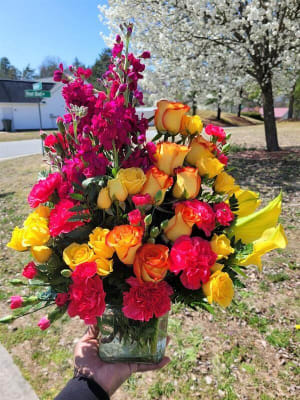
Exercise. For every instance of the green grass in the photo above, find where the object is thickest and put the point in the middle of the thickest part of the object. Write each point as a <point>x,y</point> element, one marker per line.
<point>279,338</point>
<point>278,277</point>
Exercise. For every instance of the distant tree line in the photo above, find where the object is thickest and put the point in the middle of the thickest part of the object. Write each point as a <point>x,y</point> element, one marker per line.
<point>50,64</point>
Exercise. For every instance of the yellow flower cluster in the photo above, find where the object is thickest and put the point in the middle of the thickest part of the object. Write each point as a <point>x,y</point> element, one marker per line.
<point>34,235</point>
<point>128,181</point>
<point>95,250</point>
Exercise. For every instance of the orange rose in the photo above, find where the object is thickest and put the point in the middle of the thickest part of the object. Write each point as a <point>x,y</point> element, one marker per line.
<point>182,222</point>
<point>168,116</point>
<point>200,147</point>
<point>187,184</point>
<point>156,180</point>
<point>169,156</point>
<point>125,239</point>
<point>151,262</point>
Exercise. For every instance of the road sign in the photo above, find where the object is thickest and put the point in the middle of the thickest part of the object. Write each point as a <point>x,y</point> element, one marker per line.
<point>37,93</point>
<point>37,86</point>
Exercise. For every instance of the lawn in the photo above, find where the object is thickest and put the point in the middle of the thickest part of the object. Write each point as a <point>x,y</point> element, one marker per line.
<point>14,136</point>
<point>250,351</point>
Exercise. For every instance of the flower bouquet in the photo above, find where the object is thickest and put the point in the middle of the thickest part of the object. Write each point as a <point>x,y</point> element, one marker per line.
<point>122,226</point>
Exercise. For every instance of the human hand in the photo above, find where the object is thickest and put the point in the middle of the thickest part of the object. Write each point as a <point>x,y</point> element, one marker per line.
<point>109,376</point>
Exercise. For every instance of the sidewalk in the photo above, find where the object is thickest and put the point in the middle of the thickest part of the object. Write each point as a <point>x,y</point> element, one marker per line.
<point>13,385</point>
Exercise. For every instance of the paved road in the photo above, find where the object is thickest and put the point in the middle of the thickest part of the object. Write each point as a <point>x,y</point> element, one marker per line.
<point>19,148</point>
<point>13,385</point>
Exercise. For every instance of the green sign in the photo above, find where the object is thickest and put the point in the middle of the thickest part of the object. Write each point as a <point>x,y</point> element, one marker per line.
<point>37,86</point>
<point>37,93</point>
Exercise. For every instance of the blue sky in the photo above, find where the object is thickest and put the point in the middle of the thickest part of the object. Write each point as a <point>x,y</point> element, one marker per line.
<point>31,30</point>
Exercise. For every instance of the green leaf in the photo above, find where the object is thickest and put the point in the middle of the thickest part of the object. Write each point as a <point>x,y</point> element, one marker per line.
<point>238,270</point>
<point>76,196</point>
<point>79,217</point>
<point>17,282</point>
<point>78,208</point>
<point>158,196</point>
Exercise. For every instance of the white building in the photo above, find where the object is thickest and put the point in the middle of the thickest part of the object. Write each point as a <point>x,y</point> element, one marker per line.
<point>24,111</point>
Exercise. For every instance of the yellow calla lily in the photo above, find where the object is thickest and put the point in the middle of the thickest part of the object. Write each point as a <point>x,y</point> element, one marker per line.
<point>272,238</point>
<point>251,227</point>
<point>248,202</point>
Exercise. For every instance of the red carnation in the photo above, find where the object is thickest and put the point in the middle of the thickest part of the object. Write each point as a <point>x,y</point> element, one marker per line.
<point>87,297</point>
<point>223,214</point>
<point>194,257</point>
<point>61,299</point>
<point>59,218</point>
<point>29,270</point>
<point>16,302</point>
<point>134,217</point>
<point>44,323</point>
<point>216,131</point>
<point>141,199</point>
<point>207,217</point>
<point>146,300</point>
<point>41,191</point>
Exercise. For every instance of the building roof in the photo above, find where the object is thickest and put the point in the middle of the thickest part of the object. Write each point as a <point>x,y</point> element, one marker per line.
<point>12,91</point>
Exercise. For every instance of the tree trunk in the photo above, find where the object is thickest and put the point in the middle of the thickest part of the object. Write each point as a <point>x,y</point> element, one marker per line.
<point>194,106</point>
<point>219,113</point>
<point>291,103</point>
<point>269,117</point>
<point>239,110</point>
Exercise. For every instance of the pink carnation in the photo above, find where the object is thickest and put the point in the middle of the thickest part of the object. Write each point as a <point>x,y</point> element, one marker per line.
<point>87,297</point>
<point>44,323</point>
<point>216,131</point>
<point>141,199</point>
<point>30,270</point>
<point>16,302</point>
<point>223,213</point>
<point>41,191</point>
<point>59,218</point>
<point>61,299</point>
<point>194,257</point>
<point>207,217</point>
<point>146,300</point>
<point>134,217</point>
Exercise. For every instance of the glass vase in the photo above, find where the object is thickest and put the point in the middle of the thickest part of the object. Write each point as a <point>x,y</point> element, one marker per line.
<point>127,340</point>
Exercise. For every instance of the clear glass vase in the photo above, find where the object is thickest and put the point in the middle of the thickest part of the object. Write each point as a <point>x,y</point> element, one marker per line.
<point>126,340</point>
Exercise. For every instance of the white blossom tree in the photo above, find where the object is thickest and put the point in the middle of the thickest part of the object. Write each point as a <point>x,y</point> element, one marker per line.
<point>250,37</point>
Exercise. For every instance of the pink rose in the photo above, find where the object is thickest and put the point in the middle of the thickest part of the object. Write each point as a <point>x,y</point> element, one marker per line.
<point>44,323</point>
<point>30,270</point>
<point>16,302</point>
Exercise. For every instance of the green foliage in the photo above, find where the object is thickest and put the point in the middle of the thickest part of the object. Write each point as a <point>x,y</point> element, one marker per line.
<point>278,277</point>
<point>100,67</point>
<point>279,338</point>
<point>253,114</point>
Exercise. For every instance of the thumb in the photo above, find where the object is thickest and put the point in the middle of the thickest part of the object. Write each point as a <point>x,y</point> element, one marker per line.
<point>92,332</point>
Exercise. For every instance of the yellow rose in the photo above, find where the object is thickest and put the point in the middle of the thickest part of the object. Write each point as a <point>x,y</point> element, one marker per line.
<point>42,211</point>
<point>199,148</point>
<point>156,180</point>
<point>104,200</point>
<point>132,178</point>
<point>190,125</point>
<point>104,266</point>
<point>98,244</point>
<point>16,241</point>
<point>36,231</point>
<point>225,183</point>
<point>117,191</point>
<point>187,183</point>
<point>210,166</point>
<point>216,267</point>
<point>169,156</point>
<point>220,244</point>
<point>168,116</point>
<point>41,254</point>
<point>219,289</point>
<point>248,202</point>
<point>76,254</point>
